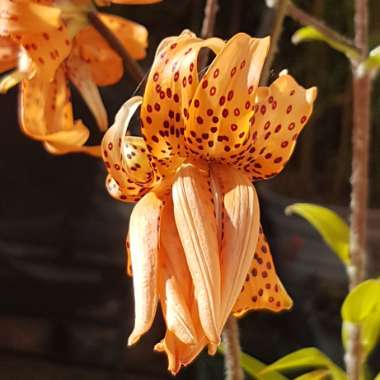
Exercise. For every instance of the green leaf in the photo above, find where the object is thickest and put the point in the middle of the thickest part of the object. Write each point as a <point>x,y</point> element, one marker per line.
<point>304,359</point>
<point>361,301</point>
<point>377,377</point>
<point>308,33</point>
<point>373,60</point>
<point>332,228</point>
<point>370,331</point>
<point>253,367</point>
<point>319,374</point>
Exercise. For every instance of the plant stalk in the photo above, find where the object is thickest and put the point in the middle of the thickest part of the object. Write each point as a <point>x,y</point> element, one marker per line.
<point>231,344</point>
<point>208,26</point>
<point>359,180</point>
<point>281,10</point>
<point>130,65</point>
<point>306,19</point>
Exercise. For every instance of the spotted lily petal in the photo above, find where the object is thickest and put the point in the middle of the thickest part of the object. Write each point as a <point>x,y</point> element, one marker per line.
<point>133,36</point>
<point>105,63</point>
<point>46,114</point>
<point>144,232</point>
<point>218,126</point>
<point>130,173</point>
<point>170,87</point>
<point>262,288</point>
<point>79,73</point>
<point>8,54</point>
<point>281,112</point>
<point>240,226</point>
<point>196,224</point>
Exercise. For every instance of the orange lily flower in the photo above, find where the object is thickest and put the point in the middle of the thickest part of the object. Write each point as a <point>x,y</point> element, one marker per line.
<point>195,241</point>
<point>51,43</point>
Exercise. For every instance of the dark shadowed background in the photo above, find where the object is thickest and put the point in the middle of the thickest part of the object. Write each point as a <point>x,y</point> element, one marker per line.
<point>66,306</point>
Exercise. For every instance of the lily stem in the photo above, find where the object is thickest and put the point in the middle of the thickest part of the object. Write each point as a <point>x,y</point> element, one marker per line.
<point>281,10</point>
<point>208,26</point>
<point>130,65</point>
<point>231,344</point>
<point>359,179</point>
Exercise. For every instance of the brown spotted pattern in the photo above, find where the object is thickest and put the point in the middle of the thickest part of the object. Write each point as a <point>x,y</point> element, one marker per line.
<point>218,127</point>
<point>39,30</point>
<point>130,173</point>
<point>170,88</point>
<point>280,113</point>
<point>262,289</point>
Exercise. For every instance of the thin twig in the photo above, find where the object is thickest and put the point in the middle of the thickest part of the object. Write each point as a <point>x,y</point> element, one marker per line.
<point>281,11</point>
<point>208,25</point>
<point>306,19</point>
<point>359,180</point>
<point>130,65</point>
<point>231,345</point>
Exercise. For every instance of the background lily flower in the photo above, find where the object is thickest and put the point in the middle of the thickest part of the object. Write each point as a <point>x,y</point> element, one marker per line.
<point>195,240</point>
<point>50,43</point>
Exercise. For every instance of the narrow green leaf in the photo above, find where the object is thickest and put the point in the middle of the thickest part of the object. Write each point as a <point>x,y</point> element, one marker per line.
<point>319,374</point>
<point>253,367</point>
<point>332,228</point>
<point>361,301</point>
<point>308,33</point>
<point>373,60</point>
<point>304,358</point>
<point>377,377</point>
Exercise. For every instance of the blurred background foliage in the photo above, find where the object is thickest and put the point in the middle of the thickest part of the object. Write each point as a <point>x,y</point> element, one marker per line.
<point>66,304</point>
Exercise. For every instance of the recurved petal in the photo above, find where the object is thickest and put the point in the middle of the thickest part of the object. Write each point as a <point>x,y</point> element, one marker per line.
<point>80,74</point>
<point>105,63</point>
<point>220,113</point>
<point>144,234</point>
<point>175,283</point>
<point>281,112</point>
<point>125,157</point>
<point>171,84</point>
<point>179,354</point>
<point>8,54</point>
<point>196,224</point>
<point>133,36</point>
<point>46,115</point>
<point>240,225</point>
<point>262,288</point>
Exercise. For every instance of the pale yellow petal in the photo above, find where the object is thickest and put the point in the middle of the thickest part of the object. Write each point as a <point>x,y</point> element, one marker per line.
<point>240,226</point>
<point>196,224</point>
<point>144,234</point>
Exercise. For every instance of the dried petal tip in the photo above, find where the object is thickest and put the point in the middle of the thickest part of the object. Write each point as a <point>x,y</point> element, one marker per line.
<point>311,94</point>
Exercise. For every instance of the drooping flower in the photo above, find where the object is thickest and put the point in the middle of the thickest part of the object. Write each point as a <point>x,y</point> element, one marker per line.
<point>50,42</point>
<point>195,240</point>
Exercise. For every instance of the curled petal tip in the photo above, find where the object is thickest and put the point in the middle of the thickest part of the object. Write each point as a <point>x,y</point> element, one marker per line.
<point>283,72</point>
<point>311,95</point>
<point>212,348</point>
<point>134,338</point>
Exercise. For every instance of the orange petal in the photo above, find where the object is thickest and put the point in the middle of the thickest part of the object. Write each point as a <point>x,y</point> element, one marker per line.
<point>144,233</point>
<point>219,125</point>
<point>281,112</point>
<point>79,73</point>
<point>130,173</point>
<point>19,16</point>
<point>179,354</point>
<point>106,65</point>
<point>46,114</point>
<point>171,84</point>
<point>196,224</point>
<point>8,54</point>
<point>262,288</point>
<point>101,3</point>
<point>133,36</point>
<point>175,282</point>
<point>240,226</point>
